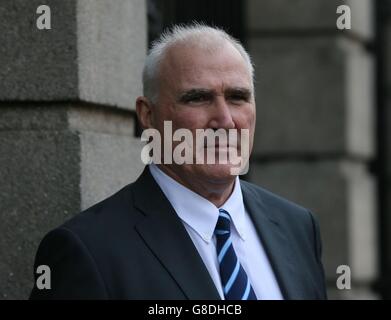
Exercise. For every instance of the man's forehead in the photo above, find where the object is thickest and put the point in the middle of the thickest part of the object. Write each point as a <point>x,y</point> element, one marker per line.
<point>183,56</point>
<point>210,81</point>
<point>185,70</point>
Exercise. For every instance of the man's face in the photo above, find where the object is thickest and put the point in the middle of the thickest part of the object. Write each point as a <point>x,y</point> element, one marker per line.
<point>201,89</point>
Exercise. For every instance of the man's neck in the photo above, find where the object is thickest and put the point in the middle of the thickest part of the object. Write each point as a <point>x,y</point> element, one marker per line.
<point>216,192</point>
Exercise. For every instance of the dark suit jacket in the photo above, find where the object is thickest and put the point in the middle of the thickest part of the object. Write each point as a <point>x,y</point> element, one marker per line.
<point>133,246</point>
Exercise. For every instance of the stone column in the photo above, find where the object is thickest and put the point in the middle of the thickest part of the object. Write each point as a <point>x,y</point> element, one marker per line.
<point>67,118</point>
<point>315,124</point>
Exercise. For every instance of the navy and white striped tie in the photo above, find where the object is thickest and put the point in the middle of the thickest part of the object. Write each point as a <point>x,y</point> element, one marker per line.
<point>236,284</point>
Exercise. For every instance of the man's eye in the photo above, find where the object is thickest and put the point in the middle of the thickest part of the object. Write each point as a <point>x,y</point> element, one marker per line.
<point>238,97</point>
<point>198,98</point>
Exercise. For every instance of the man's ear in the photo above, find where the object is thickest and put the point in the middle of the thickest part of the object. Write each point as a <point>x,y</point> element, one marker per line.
<point>144,112</point>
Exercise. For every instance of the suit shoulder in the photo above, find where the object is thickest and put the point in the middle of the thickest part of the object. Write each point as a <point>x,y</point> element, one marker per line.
<point>297,220</point>
<point>270,199</point>
<point>94,232</point>
<point>104,215</point>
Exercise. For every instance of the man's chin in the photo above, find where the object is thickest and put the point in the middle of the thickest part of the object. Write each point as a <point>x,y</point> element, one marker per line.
<point>217,171</point>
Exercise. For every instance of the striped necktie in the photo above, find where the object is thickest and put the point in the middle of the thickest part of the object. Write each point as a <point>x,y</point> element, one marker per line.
<point>236,284</point>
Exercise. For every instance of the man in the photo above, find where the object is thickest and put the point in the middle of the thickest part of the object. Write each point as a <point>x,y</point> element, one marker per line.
<point>191,230</point>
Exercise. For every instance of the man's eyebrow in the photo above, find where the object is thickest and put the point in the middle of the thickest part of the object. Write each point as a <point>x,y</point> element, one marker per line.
<point>239,90</point>
<point>194,93</point>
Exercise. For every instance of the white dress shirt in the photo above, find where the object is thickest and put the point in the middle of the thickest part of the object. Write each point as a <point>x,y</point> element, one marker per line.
<point>199,217</point>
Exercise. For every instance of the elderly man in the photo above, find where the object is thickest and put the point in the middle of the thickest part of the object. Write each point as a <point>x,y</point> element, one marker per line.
<point>189,230</point>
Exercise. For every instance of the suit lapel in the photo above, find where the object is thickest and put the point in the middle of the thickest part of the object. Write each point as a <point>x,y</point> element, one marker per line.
<point>275,243</point>
<point>165,235</point>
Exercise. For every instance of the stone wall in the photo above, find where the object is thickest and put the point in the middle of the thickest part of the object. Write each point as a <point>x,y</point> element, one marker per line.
<point>316,124</point>
<point>67,120</point>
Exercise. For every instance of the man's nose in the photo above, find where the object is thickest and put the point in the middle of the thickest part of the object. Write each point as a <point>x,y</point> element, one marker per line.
<point>221,115</point>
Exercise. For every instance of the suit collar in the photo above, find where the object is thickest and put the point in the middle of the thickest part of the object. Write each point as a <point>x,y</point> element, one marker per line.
<point>196,211</point>
<point>167,238</point>
<point>274,239</point>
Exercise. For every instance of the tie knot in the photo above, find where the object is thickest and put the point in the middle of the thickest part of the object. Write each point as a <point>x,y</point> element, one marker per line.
<point>223,225</point>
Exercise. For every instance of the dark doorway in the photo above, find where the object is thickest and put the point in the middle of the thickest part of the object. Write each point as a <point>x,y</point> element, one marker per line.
<point>226,14</point>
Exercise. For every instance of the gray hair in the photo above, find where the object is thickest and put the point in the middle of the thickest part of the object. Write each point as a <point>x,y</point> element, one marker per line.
<point>204,36</point>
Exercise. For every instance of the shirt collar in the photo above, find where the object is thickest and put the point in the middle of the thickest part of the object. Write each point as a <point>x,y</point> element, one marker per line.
<point>197,212</point>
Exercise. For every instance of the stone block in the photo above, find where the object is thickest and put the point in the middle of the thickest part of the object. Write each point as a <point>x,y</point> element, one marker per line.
<point>55,162</point>
<point>290,16</point>
<point>108,163</point>
<point>94,51</point>
<point>112,42</point>
<point>110,155</point>
<point>313,96</point>
<point>40,175</point>
<point>38,64</point>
